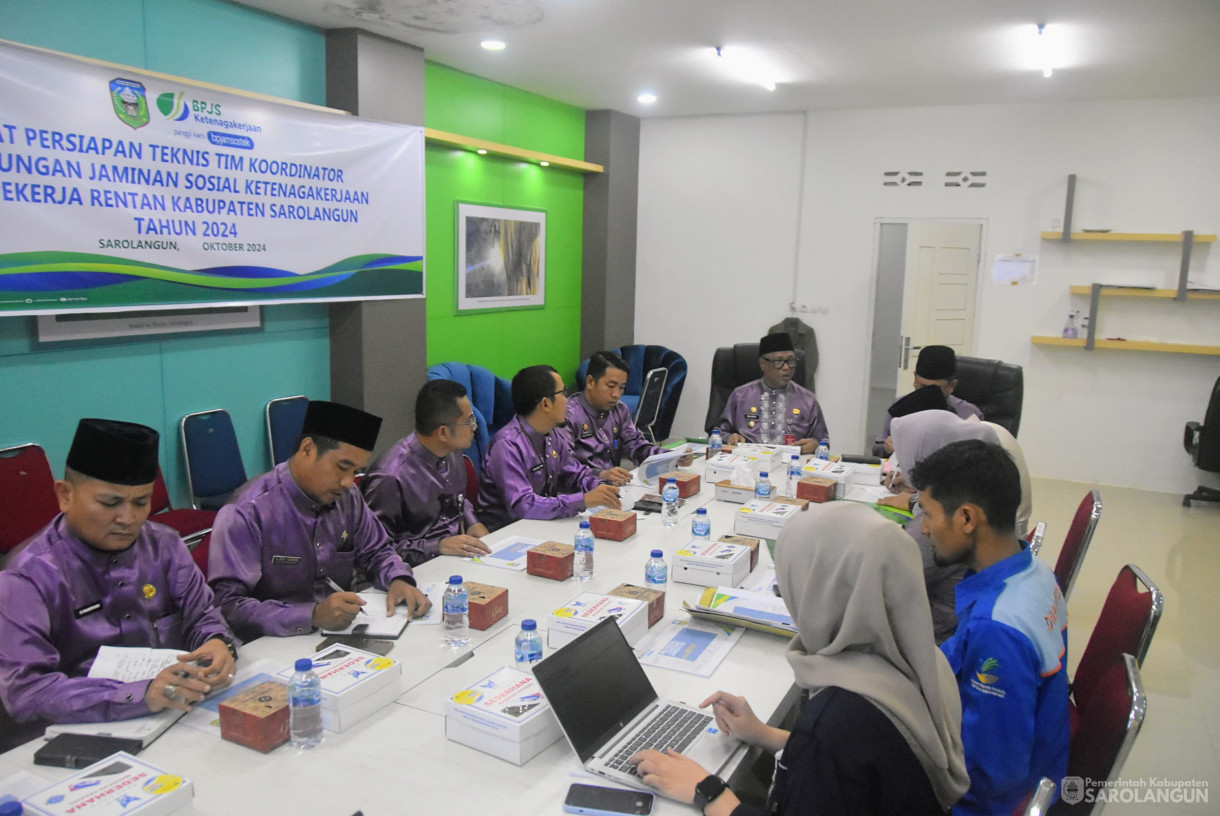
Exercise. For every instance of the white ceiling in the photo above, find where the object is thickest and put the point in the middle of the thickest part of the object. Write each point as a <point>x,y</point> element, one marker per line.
<point>825,53</point>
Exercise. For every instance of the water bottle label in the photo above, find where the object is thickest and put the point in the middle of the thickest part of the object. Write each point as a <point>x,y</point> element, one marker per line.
<point>456,605</point>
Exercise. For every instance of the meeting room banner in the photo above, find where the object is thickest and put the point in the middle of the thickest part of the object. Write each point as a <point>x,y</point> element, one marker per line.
<point>122,190</point>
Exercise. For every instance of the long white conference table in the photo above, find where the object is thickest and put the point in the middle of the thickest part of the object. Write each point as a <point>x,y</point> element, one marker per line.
<point>398,761</point>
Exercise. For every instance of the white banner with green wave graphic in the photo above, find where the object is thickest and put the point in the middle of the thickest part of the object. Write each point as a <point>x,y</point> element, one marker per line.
<point>122,190</point>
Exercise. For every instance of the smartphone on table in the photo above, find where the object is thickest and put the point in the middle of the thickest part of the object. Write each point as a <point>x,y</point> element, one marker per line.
<point>594,800</point>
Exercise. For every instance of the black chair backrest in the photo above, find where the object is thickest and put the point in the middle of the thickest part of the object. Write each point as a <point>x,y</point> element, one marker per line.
<point>1207,456</point>
<point>650,401</point>
<point>733,366</point>
<point>996,387</point>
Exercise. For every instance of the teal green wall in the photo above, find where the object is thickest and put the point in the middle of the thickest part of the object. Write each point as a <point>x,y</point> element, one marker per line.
<point>504,341</point>
<point>46,388</point>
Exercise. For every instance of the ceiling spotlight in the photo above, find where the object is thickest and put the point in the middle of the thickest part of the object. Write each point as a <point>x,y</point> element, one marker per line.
<point>481,152</point>
<point>493,45</point>
<point>545,163</point>
<point>746,67</point>
<point>1044,52</point>
<point>646,98</point>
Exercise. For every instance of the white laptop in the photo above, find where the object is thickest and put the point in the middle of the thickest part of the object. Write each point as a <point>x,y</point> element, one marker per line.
<point>608,709</point>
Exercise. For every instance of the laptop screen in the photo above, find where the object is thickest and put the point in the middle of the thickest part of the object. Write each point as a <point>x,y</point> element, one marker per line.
<point>595,686</point>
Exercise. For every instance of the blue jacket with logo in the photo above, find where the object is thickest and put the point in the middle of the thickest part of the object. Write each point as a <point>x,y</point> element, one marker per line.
<point>1010,657</point>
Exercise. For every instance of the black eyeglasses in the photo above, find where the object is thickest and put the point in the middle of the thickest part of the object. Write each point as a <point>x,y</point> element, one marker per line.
<point>782,362</point>
<point>473,422</point>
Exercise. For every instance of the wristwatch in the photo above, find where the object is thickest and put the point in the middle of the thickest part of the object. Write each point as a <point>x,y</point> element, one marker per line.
<point>709,790</point>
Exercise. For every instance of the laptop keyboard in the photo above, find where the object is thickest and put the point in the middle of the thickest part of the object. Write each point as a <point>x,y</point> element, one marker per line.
<point>672,727</point>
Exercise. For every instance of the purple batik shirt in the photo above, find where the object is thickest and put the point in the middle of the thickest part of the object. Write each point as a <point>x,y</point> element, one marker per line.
<point>601,438</point>
<point>62,599</point>
<point>746,413</point>
<point>420,498</point>
<point>963,409</point>
<point>529,475</point>
<point>273,549</point>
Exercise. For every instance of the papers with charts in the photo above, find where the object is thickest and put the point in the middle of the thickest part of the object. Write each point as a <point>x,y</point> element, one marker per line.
<point>508,553</point>
<point>683,644</point>
<point>373,622</point>
<point>756,610</point>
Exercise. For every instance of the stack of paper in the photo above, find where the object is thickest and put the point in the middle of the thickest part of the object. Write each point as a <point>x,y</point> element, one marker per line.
<point>754,610</point>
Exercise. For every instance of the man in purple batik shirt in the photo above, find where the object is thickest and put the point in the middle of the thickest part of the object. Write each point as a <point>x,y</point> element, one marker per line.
<point>418,487</point>
<point>99,575</point>
<point>600,425</point>
<point>530,471</point>
<point>774,410</point>
<point>295,534</point>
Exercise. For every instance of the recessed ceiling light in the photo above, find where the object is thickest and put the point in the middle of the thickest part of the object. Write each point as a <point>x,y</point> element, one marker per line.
<point>545,164</point>
<point>481,152</point>
<point>646,98</point>
<point>493,45</point>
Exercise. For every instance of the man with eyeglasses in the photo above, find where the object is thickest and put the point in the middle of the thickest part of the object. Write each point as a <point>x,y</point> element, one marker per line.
<point>773,410</point>
<point>418,487</point>
<point>530,471</point>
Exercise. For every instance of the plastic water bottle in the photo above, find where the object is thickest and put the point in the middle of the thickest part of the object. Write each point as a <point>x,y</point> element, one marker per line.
<point>455,619</point>
<point>701,525</point>
<point>529,645</point>
<point>762,486</point>
<point>669,501</point>
<point>656,571</point>
<point>715,443</point>
<point>794,475</point>
<point>823,451</point>
<point>582,566</point>
<point>304,706</point>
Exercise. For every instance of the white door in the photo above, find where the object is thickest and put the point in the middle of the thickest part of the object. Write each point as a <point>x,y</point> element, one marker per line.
<point>942,265</point>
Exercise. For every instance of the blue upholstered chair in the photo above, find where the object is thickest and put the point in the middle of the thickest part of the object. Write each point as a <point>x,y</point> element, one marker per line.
<point>641,360</point>
<point>491,397</point>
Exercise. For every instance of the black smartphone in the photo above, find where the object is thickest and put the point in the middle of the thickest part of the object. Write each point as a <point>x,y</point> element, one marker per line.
<point>593,800</point>
<point>82,750</point>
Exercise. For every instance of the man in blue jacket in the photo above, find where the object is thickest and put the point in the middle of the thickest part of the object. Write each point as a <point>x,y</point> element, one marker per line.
<point>1010,649</point>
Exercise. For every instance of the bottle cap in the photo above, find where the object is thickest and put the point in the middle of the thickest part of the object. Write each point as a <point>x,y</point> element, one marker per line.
<point>584,525</point>
<point>658,554</point>
<point>11,807</point>
<point>529,625</point>
<point>762,475</point>
<point>702,511</point>
<point>304,664</point>
<point>673,481</point>
<point>454,580</point>
<point>795,458</point>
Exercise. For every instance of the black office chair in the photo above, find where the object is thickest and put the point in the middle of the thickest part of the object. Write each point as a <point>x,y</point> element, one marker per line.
<point>996,387</point>
<point>1202,442</point>
<point>733,366</point>
<point>650,403</point>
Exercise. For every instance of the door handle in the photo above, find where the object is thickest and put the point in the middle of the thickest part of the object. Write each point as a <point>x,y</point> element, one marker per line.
<point>905,355</point>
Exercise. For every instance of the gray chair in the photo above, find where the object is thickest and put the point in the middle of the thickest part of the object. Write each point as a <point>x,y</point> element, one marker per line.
<point>996,387</point>
<point>1202,442</point>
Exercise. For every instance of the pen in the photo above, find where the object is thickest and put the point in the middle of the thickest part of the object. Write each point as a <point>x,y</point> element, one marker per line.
<point>330,582</point>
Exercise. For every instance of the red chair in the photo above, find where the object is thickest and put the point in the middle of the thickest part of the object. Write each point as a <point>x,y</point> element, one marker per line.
<point>28,488</point>
<point>192,525</point>
<point>1038,801</point>
<point>1102,742</point>
<point>1128,621</point>
<point>1080,534</point>
<point>200,554</point>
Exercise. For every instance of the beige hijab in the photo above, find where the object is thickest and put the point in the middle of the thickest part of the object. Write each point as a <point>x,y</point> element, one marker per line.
<point>855,588</point>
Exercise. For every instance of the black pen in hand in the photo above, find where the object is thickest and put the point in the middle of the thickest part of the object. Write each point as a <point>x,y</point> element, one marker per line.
<point>330,582</point>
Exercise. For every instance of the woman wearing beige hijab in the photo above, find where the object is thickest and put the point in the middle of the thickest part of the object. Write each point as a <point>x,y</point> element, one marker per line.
<point>881,733</point>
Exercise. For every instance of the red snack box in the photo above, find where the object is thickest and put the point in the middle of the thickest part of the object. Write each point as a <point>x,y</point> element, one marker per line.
<point>688,483</point>
<point>551,560</point>
<point>745,541</point>
<point>615,525</point>
<point>816,489</point>
<point>257,718</point>
<point>487,604</point>
<point>655,599</point>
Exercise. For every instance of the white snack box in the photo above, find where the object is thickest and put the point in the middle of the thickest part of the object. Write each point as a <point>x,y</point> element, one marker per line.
<point>711,563</point>
<point>731,467</point>
<point>587,609</point>
<point>505,714</point>
<point>727,491</point>
<point>763,519</point>
<point>766,457</point>
<point>862,474</point>
<point>118,784</point>
<point>355,684</point>
<point>841,473</point>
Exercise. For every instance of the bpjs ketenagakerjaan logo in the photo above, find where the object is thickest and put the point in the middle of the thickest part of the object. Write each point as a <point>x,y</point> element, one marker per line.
<point>177,107</point>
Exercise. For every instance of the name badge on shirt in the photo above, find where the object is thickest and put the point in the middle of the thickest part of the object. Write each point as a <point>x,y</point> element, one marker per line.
<point>87,609</point>
<point>586,432</point>
<point>752,415</point>
<point>287,560</point>
<point>537,467</point>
